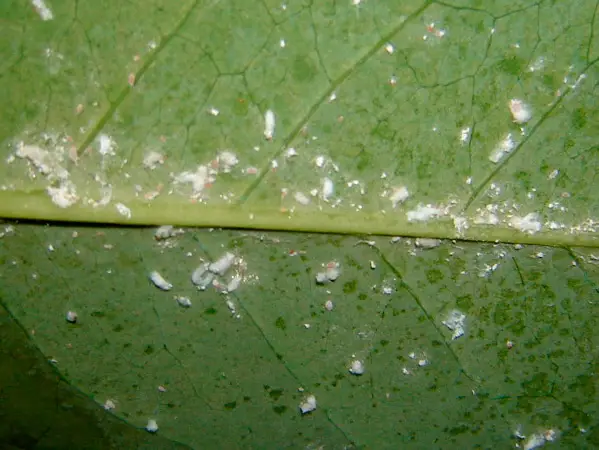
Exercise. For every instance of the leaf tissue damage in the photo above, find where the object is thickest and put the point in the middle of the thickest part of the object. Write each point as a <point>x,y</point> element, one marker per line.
<point>434,120</point>
<point>201,123</point>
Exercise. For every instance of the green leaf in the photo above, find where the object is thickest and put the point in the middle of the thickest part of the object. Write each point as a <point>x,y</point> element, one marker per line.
<point>145,113</point>
<point>234,374</point>
<point>385,95</point>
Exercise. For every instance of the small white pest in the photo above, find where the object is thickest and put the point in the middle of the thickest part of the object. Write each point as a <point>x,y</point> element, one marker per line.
<point>213,111</point>
<point>319,161</point>
<point>159,281</point>
<point>423,213</point>
<point>399,195</point>
<point>530,223</point>
<point>455,322</point>
<point>372,265</point>
<point>123,210</point>
<point>222,264</point>
<point>301,198</point>
<point>185,302</point>
<point>199,278</point>
<point>389,48</point>
<point>71,317</point>
<point>152,426</point>
<point>329,305</point>
<point>504,147</point>
<point>290,152</point>
<point>308,404</point>
<point>234,283</point>
<point>427,243</point>
<point>226,160</point>
<point>153,159</point>
<point>109,405</point>
<point>521,112</point>
<point>269,124</point>
<point>328,189</point>
<point>357,367</point>
<point>282,43</point>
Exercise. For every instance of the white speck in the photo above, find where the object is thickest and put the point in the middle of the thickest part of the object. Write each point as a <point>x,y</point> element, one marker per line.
<point>159,281</point>
<point>301,198</point>
<point>153,159</point>
<point>332,97</point>
<point>290,152</point>
<point>167,231</point>
<point>50,248</point>
<point>469,180</point>
<point>185,302</point>
<point>213,111</point>
<point>455,322</point>
<point>387,290</point>
<point>109,405</point>
<point>529,223</point>
<point>319,161</point>
<point>372,264</point>
<point>504,147</point>
<point>357,368</point>
<point>356,2</point>
<point>521,112</point>
<point>63,196</point>
<point>106,145</point>
<point>539,255</point>
<point>427,243</point>
<point>274,164</point>
<point>307,326</point>
<point>399,195</point>
<point>308,405</point>
<point>423,213</point>
<point>152,426</point>
<point>329,305</point>
<point>42,9</point>
<point>389,48</point>
<point>314,192</point>
<point>269,124</point>
<point>393,80</point>
<point>328,189</point>
<point>226,161</point>
<point>405,371</point>
<point>123,210</point>
<point>201,276</point>
<point>71,317</point>
<point>460,224</point>
<point>465,135</point>
<point>223,264</point>
<point>554,173</point>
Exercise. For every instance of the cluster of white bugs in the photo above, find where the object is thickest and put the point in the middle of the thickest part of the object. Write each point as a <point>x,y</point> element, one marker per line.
<point>153,159</point>
<point>331,273</point>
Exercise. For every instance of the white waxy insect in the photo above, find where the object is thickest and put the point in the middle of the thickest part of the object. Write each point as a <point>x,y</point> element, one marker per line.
<point>372,265</point>
<point>153,159</point>
<point>152,426</point>
<point>399,195</point>
<point>333,271</point>
<point>123,210</point>
<point>185,302</point>
<point>301,198</point>
<point>521,112</point>
<point>222,264</point>
<point>329,305</point>
<point>71,317</point>
<point>234,283</point>
<point>328,189</point>
<point>213,111</point>
<point>269,124</point>
<point>227,160</point>
<point>159,281</point>
<point>165,232</point>
<point>389,48</point>
<point>308,404</point>
<point>109,405</point>
<point>198,276</point>
<point>357,367</point>
<point>321,278</point>
<point>290,152</point>
<point>427,243</point>
<point>319,161</point>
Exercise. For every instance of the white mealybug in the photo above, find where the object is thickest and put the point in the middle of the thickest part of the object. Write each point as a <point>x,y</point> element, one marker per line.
<point>427,243</point>
<point>234,283</point>
<point>165,232</point>
<point>399,195</point>
<point>308,404</point>
<point>222,264</point>
<point>71,317</point>
<point>185,302</point>
<point>152,426</point>
<point>198,275</point>
<point>357,367</point>
<point>269,124</point>
<point>159,281</point>
<point>329,305</point>
<point>123,210</point>
<point>521,112</point>
<point>301,198</point>
<point>328,189</point>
